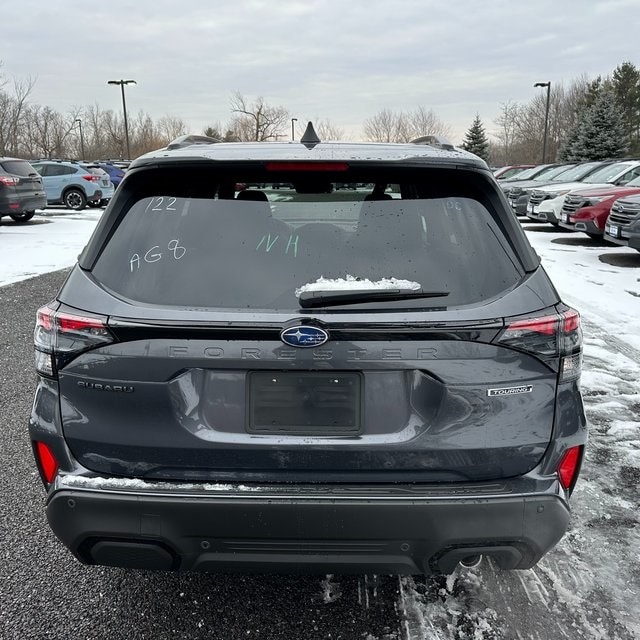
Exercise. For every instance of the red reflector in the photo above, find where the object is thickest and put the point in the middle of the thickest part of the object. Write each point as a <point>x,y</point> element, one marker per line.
<point>68,322</point>
<point>307,166</point>
<point>568,467</point>
<point>571,320</point>
<point>548,325</point>
<point>46,461</point>
<point>45,318</point>
<point>13,206</point>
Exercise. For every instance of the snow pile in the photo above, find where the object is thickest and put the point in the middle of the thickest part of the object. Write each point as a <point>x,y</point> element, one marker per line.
<point>143,485</point>
<point>447,607</point>
<point>353,283</point>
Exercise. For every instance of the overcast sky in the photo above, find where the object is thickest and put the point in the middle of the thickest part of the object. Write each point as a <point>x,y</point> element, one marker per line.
<point>337,59</point>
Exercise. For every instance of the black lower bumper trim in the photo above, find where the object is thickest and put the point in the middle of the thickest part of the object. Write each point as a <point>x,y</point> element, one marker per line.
<point>266,534</point>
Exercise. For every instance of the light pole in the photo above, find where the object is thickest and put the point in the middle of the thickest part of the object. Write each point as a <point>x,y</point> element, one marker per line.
<point>81,137</point>
<point>293,130</point>
<point>546,118</point>
<point>124,110</point>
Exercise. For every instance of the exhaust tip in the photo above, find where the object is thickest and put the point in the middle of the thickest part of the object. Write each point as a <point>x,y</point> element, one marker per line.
<point>470,562</point>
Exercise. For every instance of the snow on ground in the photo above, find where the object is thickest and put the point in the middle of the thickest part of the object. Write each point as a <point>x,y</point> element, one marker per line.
<point>601,281</point>
<point>51,240</point>
<point>589,586</point>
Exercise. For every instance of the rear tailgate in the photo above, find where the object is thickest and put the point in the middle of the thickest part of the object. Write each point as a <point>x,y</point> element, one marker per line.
<point>28,181</point>
<point>439,405</point>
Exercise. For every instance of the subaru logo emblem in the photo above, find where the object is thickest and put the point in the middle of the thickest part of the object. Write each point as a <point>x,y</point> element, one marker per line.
<point>304,336</point>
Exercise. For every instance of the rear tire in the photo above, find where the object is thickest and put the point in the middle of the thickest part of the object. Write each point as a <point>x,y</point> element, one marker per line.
<point>22,217</point>
<point>74,199</point>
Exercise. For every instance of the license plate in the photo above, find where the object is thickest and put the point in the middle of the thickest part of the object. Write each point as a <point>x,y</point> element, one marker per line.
<point>530,208</point>
<point>566,218</point>
<point>304,403</point>
<point>614,230</point>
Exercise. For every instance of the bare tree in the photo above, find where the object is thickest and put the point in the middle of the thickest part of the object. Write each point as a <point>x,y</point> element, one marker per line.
<point>391,126</point>
<point>170,128</point>
<point>385,126</point>
<point>424,122</point>
<point>507,122</point>
<point>48,132</point>
<point>257,121</point>
<point>12,108</point>
<point>326,130</point>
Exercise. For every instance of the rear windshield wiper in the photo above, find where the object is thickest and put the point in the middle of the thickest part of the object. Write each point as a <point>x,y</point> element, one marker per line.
<point>310,299</point>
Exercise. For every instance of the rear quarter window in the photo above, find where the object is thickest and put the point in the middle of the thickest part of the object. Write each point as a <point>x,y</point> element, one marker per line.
<point>17,168</point>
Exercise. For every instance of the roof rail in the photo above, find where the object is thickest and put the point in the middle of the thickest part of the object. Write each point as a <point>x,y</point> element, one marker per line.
<point>188,140</point>
<point>434,141</point>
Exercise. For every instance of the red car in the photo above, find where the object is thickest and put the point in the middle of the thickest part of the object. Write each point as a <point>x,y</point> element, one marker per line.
<point>587,210</point>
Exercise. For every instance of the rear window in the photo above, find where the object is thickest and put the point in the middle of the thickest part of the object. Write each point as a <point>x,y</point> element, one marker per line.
<point>552,172</point>
<point>17,167</point>
<point>576,173</point>
<point>94,169</point>
<point>608,173</point>
<point>255,247</point>
<point>527,173</point>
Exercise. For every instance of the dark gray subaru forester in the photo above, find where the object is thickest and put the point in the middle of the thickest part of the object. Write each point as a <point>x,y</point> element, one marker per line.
<point>379,378</point>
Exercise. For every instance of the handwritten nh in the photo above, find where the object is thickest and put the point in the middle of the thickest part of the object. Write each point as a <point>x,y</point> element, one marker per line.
<point>267,242</point>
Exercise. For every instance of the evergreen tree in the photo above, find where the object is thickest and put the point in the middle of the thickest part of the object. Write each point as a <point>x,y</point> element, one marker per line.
<point>567,152</point>
<point>626,86</point>
<point>475,140</point>
<point>601,133</point>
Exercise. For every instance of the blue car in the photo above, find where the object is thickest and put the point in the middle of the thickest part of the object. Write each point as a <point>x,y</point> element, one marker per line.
<point>115,173</point>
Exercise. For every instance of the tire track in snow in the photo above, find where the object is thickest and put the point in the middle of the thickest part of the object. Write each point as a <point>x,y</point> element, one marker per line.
<point>596,331</point>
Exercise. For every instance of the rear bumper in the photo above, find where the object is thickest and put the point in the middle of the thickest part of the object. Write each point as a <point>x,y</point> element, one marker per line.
<point>389,529</point>
<point>20,203</point>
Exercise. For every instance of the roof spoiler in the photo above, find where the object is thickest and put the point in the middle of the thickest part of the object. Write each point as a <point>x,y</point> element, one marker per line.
<point>189,140</point>
<point>435,141</point>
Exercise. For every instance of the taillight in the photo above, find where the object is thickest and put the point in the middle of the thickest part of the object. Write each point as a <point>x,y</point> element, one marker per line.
<point>307,166</point>
<point>9,181</point>
<point>569,467</point>
<point>91,178</point>
<point>60,336</point>
<point>549,336</point>
<point>46,461</point>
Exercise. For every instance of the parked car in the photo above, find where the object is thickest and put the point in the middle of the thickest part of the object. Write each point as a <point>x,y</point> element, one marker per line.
<point>71,184</point>
<point>107,186</point>
<point>21,190</point>
<point>518,191</point>
<point>623,224</point>
<point>510,171</point>
<point>116,174</point>
<point>587,210</point>
<point>379,380</point>
<point>545,203</point>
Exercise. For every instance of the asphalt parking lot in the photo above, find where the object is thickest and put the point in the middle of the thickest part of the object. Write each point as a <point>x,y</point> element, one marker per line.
<point>46,593</point>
